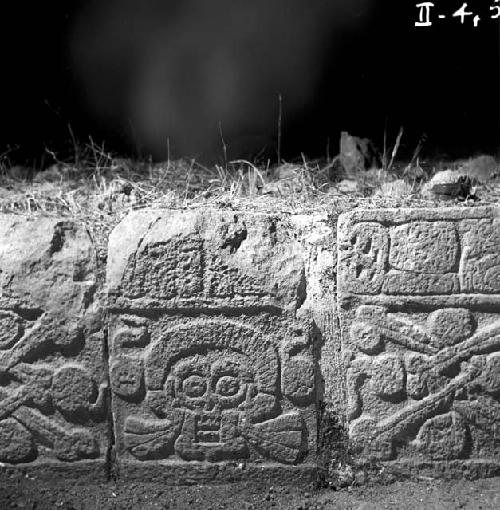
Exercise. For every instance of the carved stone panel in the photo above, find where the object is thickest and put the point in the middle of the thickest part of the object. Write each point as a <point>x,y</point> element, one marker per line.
<point>204,258</point>
<point>419,296</point>
<point>213,376</point>
<point>52,375</point>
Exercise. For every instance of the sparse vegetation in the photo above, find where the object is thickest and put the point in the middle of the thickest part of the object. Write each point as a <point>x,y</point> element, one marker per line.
<point>94,181</point>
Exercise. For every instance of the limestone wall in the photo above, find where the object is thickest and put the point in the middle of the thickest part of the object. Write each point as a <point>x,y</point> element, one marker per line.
<point>233,345</point>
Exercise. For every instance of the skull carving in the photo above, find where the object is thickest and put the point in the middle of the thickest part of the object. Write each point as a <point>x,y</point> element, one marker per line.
<point>213,399</point>
<point>213,390</point>
<point>211,382</point>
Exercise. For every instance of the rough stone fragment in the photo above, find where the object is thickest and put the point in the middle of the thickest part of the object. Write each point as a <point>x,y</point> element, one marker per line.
<point>52,369</point>
<point>450,185</point>
<point>460,183</point>
<point>357,154</point>
<point>422,353</point>
<point>213,372</point>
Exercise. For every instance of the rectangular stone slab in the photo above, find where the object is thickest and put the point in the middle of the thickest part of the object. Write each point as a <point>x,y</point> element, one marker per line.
<point>419,304</point>
<point>213,375</point>
<point>52,368</point>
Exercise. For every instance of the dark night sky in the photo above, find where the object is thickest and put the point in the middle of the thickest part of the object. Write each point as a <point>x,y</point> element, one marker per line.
<point>99,69</point>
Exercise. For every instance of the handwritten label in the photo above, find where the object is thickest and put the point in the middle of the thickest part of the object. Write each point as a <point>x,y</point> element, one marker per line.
<point>429,12</point>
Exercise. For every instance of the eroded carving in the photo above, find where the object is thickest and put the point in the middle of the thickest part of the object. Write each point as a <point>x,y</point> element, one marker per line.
<point>367,246</point>
<point>216,390</point>
<point>413,247</point>
<point>212,367</point>
<point>166,269</point>
<point>422,357</point>
<point>201,258</point>
<point>404,389</point>
<point>420,257</point>
<point>52,376</point>
<point>45,398</point>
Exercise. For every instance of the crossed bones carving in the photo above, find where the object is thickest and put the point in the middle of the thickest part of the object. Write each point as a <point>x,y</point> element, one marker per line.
<point>427,368</point>
<point>26,402</point>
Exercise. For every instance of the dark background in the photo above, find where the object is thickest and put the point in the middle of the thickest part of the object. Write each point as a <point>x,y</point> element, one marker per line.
<point>369,70</point>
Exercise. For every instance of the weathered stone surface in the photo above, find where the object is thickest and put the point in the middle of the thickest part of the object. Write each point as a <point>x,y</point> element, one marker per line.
<point>52,368</point>
<point>317,234</point>
<point>419,299</point>
<point>204,258</point>
<point>213,370</point>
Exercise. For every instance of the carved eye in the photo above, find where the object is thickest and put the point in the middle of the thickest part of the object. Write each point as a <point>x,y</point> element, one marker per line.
<point>194,386</point>
<point>227,386</point>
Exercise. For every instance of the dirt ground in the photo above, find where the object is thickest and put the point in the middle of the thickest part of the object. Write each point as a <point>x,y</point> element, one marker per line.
<point>425,494</point>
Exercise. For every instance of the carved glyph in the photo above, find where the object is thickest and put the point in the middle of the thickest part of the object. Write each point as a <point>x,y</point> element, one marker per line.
<point>214,390</point>
<point>209,366</point>
<point>419,296</point>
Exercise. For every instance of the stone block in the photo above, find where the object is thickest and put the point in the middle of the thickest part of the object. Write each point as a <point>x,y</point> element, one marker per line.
<point>52,368</point>
<point>419,304</point>
<point>213,373</point>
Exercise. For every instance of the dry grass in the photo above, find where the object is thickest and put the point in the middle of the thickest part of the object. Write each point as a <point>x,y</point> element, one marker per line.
<point>95,182</point>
